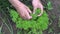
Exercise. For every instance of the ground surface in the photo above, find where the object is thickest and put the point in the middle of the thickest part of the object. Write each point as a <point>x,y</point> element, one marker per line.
<point>54,15</point>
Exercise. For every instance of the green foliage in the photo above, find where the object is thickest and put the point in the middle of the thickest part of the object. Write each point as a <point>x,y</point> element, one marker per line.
<point>6,23</point>
<point>1,29</point>
<point>49,6</point>
<point>50,30</point>
<point>36,23</point>
<point>4,3</point>
<point>59,33</point>
<point>59,22</point>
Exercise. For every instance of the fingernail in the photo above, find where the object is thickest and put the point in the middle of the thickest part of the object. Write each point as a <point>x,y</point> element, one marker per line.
<point>30,17</point>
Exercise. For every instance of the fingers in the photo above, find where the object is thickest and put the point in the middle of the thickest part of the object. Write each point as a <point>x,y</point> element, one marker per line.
<point>41,7</point>
<point>24,14</point>
<point>28,10</point>
<point>40,13</point>
<point>34,10</point>
<point>27,15</point>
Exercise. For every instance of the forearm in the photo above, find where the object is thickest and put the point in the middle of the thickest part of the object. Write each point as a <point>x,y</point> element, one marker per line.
<point>15,3</point>
<point>37,0</point>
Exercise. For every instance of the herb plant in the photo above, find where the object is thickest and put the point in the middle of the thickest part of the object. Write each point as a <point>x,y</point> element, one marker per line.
<point>35,24</point>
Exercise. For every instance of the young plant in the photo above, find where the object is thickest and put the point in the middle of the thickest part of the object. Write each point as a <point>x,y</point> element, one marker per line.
<point>35,24</point>
<point>49,6</point>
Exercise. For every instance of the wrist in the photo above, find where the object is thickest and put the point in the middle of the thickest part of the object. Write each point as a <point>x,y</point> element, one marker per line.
<point>37,0</point>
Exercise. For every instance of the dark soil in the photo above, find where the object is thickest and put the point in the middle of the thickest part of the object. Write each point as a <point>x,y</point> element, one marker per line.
<point>53,16</point>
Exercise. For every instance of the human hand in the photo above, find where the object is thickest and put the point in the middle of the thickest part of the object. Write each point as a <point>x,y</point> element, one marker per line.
<point>22,9</point>
<point>24,12</point>
<point>37,4</point>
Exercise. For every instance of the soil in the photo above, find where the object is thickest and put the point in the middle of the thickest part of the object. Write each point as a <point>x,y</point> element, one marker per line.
<point>56,13</point>
<point>53,16</point>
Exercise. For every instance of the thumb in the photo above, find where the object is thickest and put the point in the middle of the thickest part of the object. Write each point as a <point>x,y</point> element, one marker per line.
<point>34,10</point>
<point>41,11</point>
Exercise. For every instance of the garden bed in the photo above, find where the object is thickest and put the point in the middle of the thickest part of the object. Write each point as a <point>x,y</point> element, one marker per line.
<point>54,19</point>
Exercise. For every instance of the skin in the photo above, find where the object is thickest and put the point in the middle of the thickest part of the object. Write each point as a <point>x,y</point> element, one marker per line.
<point>37,4</point>
<point>24,11</point>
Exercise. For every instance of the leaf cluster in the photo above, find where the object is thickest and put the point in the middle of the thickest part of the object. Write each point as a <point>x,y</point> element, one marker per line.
<point>36,23</point>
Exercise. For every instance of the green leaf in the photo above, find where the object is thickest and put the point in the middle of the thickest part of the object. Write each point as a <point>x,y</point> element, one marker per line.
<point>36,23</point>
